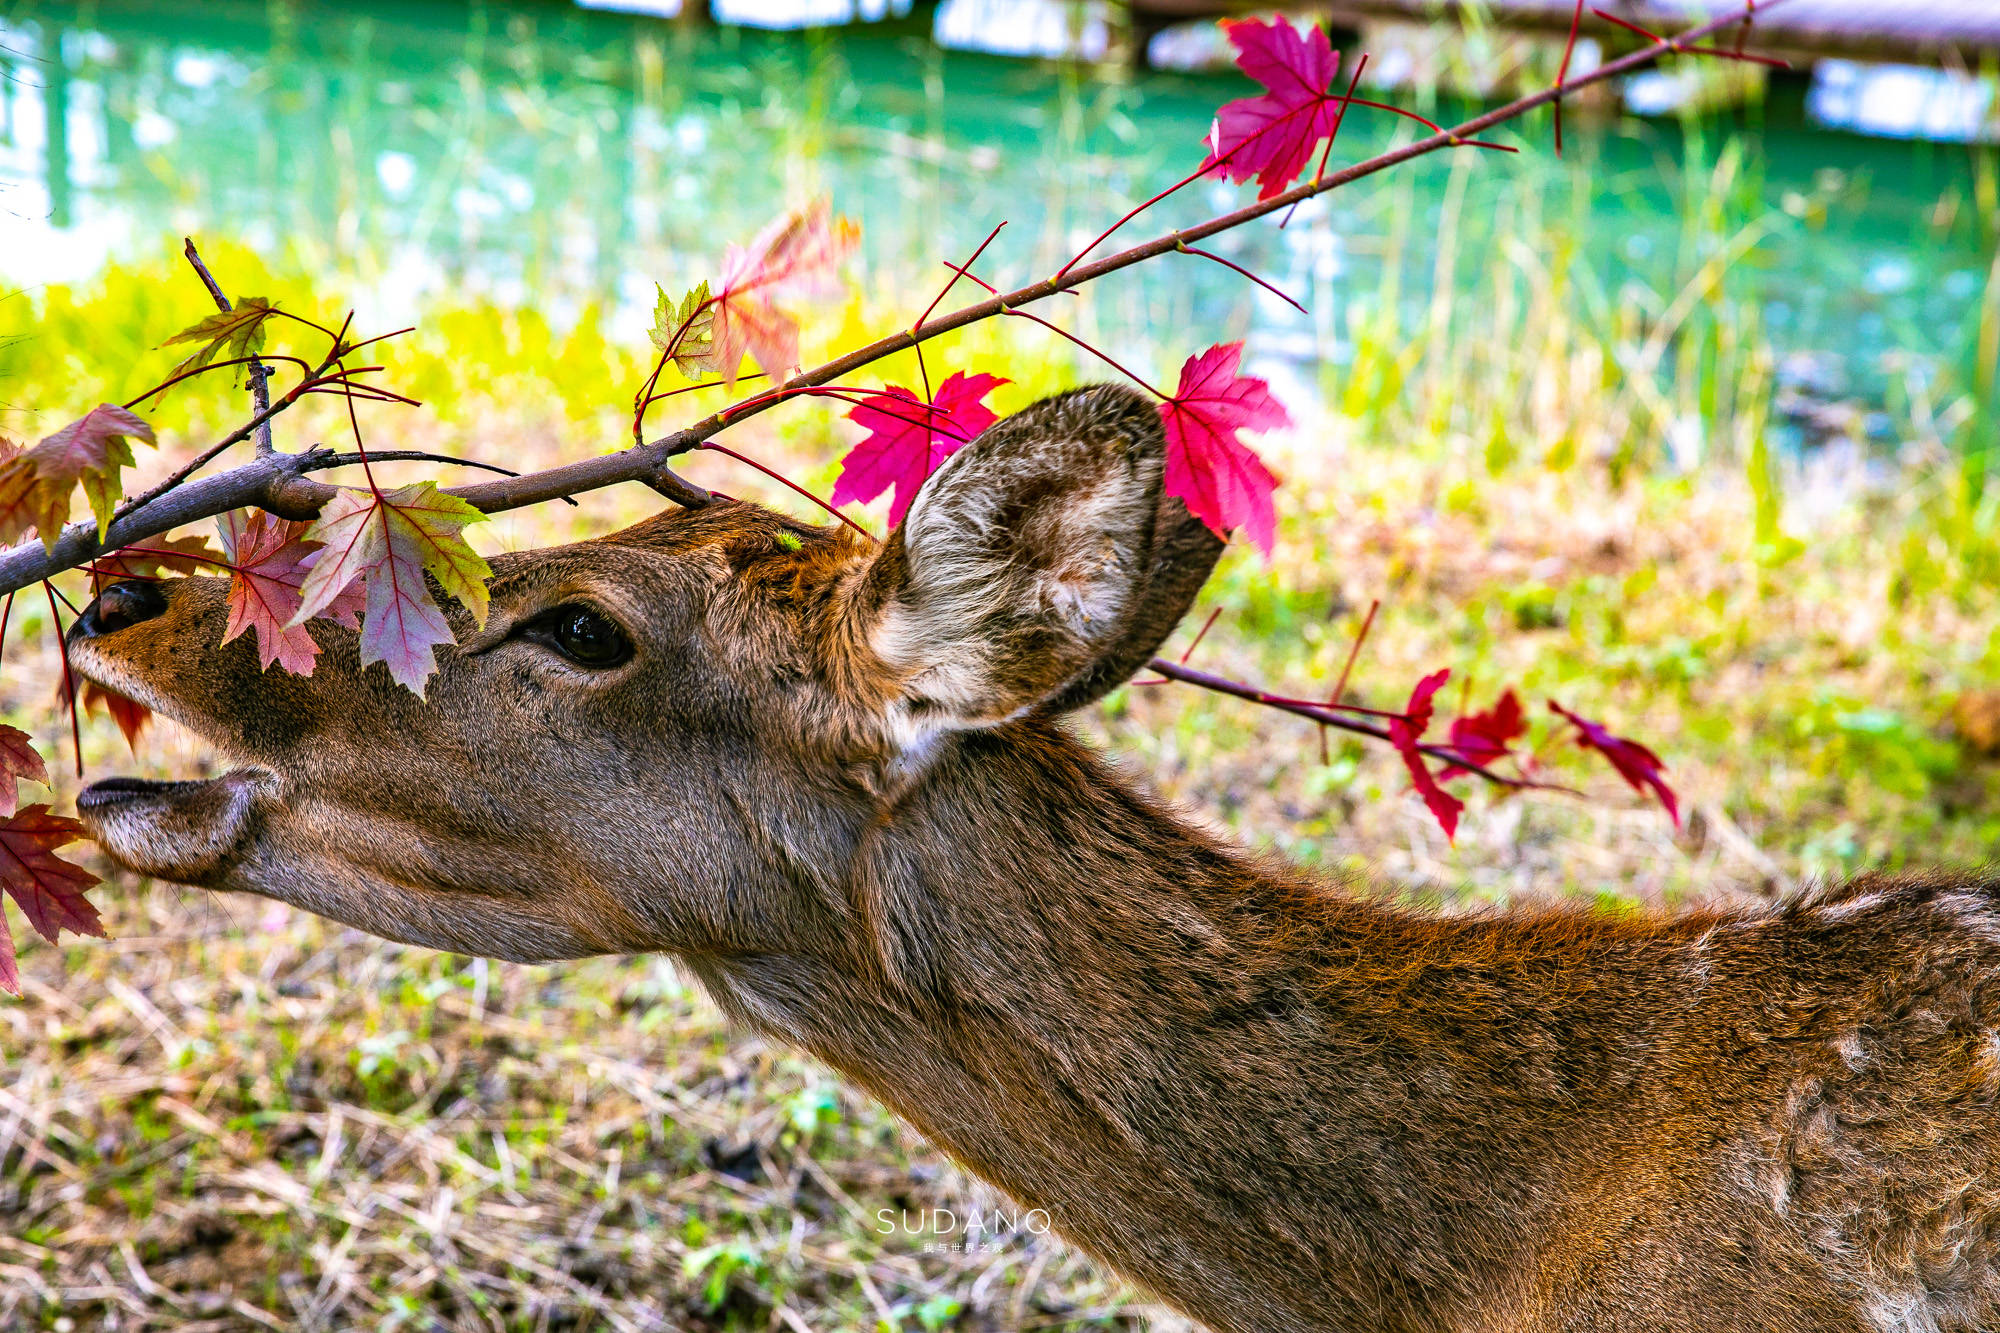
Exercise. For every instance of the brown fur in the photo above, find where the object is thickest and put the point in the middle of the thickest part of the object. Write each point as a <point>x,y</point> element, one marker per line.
<point>825,783</point>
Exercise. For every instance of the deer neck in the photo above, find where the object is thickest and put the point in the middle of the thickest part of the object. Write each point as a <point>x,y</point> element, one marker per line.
<point>1115,1019</point>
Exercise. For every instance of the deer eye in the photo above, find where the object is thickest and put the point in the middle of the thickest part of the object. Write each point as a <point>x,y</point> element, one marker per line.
<point>582,635</point>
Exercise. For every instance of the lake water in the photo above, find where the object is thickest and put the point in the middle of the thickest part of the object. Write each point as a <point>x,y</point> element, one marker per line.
<point>543,154</point>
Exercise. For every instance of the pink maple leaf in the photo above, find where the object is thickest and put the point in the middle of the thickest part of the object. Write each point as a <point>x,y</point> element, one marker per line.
<point>389,540</point>
<point>1635,763</point>
<point>1405,732</point>
<point>1482,737</point>
<point>793,257</point>
<point>1271,136</point>
<point>907,439</point>
<point>1224,484</point>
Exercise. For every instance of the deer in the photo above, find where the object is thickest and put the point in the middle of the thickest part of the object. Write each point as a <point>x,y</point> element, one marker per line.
<point>833,778</point>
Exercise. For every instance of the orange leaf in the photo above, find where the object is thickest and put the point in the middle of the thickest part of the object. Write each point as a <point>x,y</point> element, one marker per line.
<point>93,450</point>
<point>130,715</point>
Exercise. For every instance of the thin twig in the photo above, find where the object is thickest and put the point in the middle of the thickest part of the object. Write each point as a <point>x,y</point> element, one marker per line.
<point>1201,634</point>
<point>206,456</point>
<point>1060,331</point>
<point>787,481</point>
<point>69,678</point>
<point>1332,133</point>
<point>1690,46</point>
<point>1327,717</point>
<point>1207,254</point>
<point>1562,72</point>
<point>260,382</point>
<point>1360,637</point>
<point>958,271</point>
<point>412,456</point>
<point>174,379</point>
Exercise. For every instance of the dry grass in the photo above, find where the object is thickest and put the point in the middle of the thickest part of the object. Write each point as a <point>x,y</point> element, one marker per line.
<point>229,1119</point>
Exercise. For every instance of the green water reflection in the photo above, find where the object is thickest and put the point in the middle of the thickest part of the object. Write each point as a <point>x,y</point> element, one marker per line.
<point>542,154</point>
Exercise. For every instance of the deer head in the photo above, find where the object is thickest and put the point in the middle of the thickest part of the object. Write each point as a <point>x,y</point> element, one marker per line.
<point>673,737</point>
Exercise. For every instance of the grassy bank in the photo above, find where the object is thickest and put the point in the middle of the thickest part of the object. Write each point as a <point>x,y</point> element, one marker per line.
<point>233,1116</point>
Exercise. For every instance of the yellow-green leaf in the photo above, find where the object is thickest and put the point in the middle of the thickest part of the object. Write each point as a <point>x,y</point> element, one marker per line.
<point>688,330</point>
<point>241,330</point>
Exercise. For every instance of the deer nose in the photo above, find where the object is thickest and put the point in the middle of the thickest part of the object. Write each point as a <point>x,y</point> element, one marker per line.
<point>121,605</point>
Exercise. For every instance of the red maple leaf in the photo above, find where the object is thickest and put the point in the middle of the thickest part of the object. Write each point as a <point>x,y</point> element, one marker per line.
<point>48,889</point>
<point>1486,736</point>
<point>907,439</point>
<point>793,257</point>
<point>18,759</point>
<point>269,559</point>
<point>1419,710</point>
<point>1404,732</point>
<point>1634,762</point>
<point>130,715</point>
<point>1271,136</point>
<point>1224,484</point>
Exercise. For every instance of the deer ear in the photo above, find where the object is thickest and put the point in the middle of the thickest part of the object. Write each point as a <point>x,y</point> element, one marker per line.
<point>1184,554</point>
<point>1038,567</point>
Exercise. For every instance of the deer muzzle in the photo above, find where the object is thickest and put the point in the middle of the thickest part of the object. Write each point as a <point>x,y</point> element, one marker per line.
<point>184,831</point>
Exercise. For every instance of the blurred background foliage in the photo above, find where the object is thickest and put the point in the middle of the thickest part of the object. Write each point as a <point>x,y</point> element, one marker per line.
<point>1692,429</point>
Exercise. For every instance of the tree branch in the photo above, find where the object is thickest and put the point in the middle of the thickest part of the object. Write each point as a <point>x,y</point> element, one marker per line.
<point>276,482</point>
<point>640,460</point>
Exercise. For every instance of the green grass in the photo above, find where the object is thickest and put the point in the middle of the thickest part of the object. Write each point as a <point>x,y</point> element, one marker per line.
<point>233,1116</point>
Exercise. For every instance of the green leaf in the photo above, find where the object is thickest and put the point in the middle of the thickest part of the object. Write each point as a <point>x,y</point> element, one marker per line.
<point>241,330</point>
<point>939,1311</point>
<point>719,1262</point>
